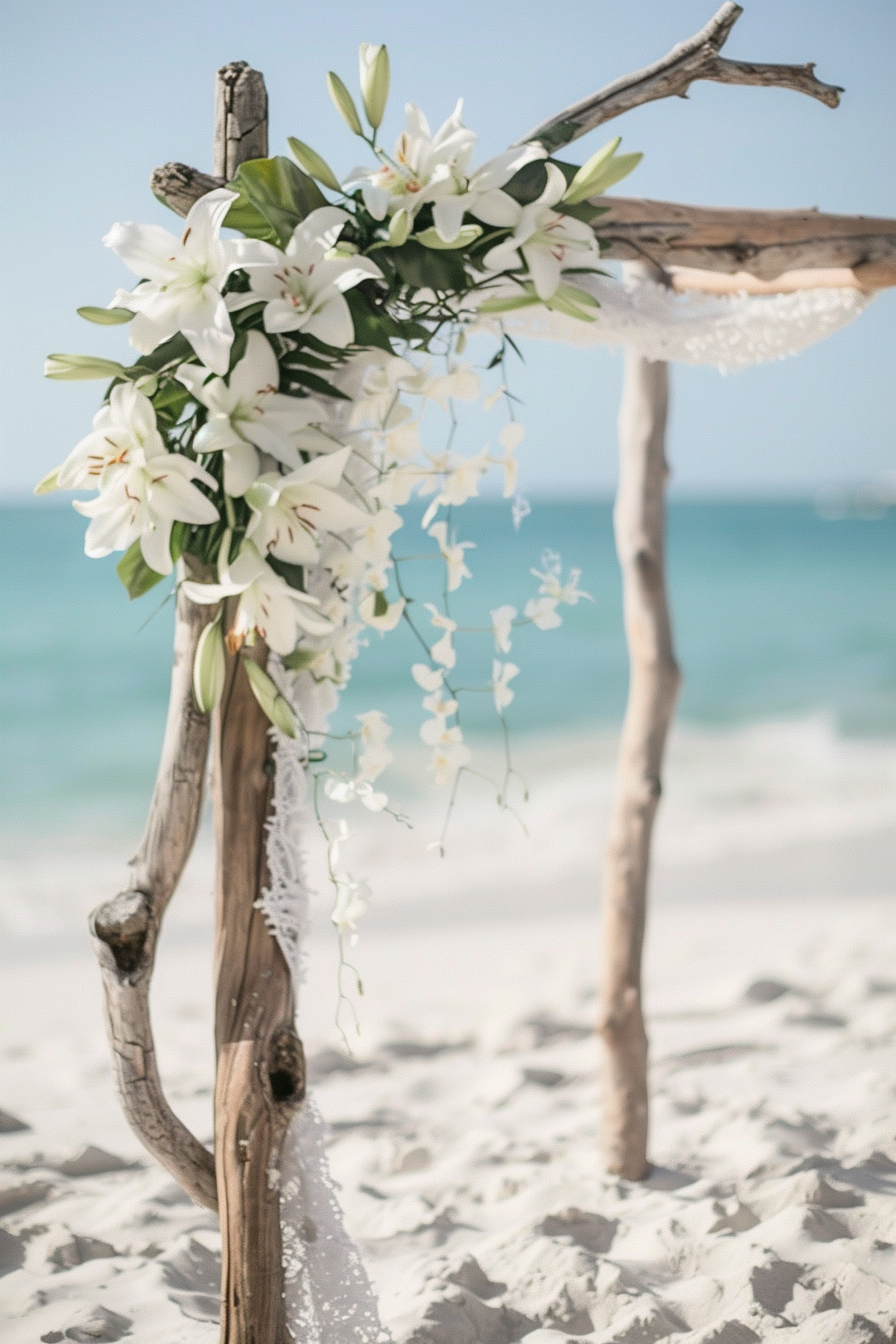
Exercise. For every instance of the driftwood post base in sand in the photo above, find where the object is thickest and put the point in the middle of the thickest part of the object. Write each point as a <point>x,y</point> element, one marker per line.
<point>653,685</point>
<point>261,1067</point>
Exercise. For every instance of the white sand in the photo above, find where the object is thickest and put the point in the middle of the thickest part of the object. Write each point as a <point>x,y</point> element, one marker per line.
<point>465,1130</point>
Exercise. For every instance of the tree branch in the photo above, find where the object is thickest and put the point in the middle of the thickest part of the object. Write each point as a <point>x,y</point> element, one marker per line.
<point>764,243</point>
<point>696,58</point>
<point>126,929</point>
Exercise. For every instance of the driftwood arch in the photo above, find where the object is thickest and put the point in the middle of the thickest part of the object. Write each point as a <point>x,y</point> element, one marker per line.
<point>260,1077</point>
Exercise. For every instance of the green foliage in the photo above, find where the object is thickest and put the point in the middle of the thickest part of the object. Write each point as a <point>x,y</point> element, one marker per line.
<point>293,574</point>
<point>422,268</point>
<point>274,196</point>
<point>135,573</point>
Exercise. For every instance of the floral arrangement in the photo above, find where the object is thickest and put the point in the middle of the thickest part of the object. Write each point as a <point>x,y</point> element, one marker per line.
<point>269,430</point>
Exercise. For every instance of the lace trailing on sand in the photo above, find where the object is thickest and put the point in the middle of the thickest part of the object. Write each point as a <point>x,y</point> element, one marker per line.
<point>329,1297</point>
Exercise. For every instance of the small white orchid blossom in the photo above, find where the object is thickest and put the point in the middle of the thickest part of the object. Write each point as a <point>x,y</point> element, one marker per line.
<point>150,489</point>
<point>303,288</point>
<point>453,555</point>
<point>542,612</point>
<point>450,753</point>
<point>123,427</point>
<point>547,242</point>
<point>268,606</point>
<point>428,678</point>
<point>247,412</point>
<point>291,514</point>
<point>502,623</point>
<point>510,438</point>
<point>352,904</point>
<point>551,586</point>
<point>502,675</point>
<point>375,732</point>
<point>351,790</point>
<point>182,279</point>
<point>443,650</point>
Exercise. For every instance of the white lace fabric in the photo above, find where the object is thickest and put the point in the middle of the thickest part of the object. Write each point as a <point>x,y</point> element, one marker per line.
<point>328,1293</point>
<point>728,331</point>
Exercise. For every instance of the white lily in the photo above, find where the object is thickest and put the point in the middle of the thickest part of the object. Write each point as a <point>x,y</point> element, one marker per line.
<point>150,491</point>
<point>291,514</point>
<point>303,288</point>
<point>547,242</point>
<point>423,167</point>
<point>443,650</point>
<point>182,279</point>
<point>123,427</point>
<point>453,555</point>
<point>268,606</point>
<point>434,168</point>
<point>502,674</point>
<point>247,412</point>
<point>502,623</point>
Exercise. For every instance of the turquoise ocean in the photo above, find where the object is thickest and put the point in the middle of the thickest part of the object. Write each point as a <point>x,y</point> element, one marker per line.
<point>780,615</point>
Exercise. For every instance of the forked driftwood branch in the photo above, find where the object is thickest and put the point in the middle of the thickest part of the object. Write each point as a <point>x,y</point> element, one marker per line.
<point>126,929</point>
<point>696,58</point>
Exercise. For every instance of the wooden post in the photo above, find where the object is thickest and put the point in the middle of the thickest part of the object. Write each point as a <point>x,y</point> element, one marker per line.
<point>261,1074</point>
<point>260,1065</point>
<point>653,685</point>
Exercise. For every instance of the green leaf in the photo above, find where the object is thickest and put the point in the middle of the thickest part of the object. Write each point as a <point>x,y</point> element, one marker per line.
<point>380,603</point>
<point>277,191</point>
<point>313,383</point>
<point>80,368</point>
<point>169,402</point>
<point>373,325</point>
<point>299,659</point>
<point>106,317</point>
<point>423,269</point>
<point>293,574</point>
<point>344,103</point>
<point>312,162</point>
<point>430,238</point>
<point>173,351</point>
<point>209,667</point>
<point>275,705</point>
<point>135,573</point>
<point>583,210</point>
<point>527,183</point>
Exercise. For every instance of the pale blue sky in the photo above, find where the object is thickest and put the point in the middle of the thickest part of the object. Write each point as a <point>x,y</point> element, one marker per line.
<point>95,95</point>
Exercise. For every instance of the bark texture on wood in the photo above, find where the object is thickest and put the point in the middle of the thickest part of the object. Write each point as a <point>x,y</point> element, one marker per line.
<point>696,58</point>
<point>765,243</point>
<point>241,118</point>
<point>261,1073</point>
<point>179,186</point>
<point>653,685</point>
<point>126,929</point>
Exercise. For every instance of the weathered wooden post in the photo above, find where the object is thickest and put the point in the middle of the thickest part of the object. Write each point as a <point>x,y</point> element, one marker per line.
<point>639,524</point>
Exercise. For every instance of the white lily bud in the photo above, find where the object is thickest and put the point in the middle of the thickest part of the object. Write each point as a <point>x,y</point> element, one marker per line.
<point>432,239</point>
<point>602,171</point>
<point>208,667</point>
<point>374,69</point>
<point>399,228</point>
<point>80,367</point>
<point>345,103</point>
<point>275,705</point>
<point>106,317</point>
<point>311,161</point>
<point>48,484</point>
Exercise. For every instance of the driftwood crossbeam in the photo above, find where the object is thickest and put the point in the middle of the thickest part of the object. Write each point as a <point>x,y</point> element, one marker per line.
<point>260,1066</point>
